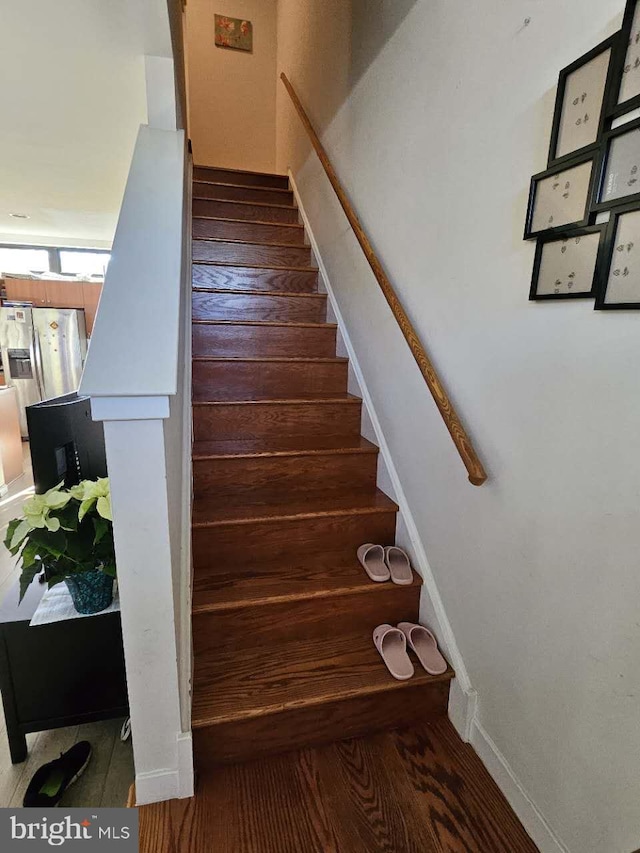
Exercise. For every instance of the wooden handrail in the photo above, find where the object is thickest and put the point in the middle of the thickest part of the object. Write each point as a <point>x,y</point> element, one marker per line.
<point>472,463</point>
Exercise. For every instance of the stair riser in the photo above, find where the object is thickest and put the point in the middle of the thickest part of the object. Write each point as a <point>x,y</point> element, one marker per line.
<point>238,306</point>
<point>253,212</point>
<point>243,278</point>
<point>238,340</point>
<point>271,624</point>
<point>247,380</point>
<point>291,475</point>
<point>315,725</point>
<point>251,544</point>
<point>228,176</point>
<point>241,253</point>
<point>261,420</point>
<point>248,231</point>
<point>260,196</point>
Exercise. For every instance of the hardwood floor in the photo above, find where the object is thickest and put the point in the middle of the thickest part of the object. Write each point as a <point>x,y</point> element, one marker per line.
<point>420,790</point>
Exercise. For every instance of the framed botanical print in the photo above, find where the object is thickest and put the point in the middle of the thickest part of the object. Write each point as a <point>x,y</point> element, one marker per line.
<point>579,116</point>
<point>568,266</point>
<point>625,94</point>
<point>619,167</point>
<point>620,286</point>
<point>560,197</point>
<point>233,33</point>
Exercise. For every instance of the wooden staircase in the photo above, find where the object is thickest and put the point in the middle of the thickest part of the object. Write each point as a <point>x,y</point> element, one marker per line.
<point>284,492</point>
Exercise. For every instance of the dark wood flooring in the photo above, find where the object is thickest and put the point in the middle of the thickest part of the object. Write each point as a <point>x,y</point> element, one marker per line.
<point>415,791</point>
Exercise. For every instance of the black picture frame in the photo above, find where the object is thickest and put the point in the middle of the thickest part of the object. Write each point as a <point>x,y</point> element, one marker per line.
<point>567,236</point>
<point>609,44</point>
<point>617,68</point>
<point>590,156</point>
<point>609,249</point>
<point>603,160</point>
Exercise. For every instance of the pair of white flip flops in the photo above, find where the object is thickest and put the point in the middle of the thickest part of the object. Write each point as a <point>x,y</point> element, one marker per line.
<point>392,642</point>
<point>382,564</point>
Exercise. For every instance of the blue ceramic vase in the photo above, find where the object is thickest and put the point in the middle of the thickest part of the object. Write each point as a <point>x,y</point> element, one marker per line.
<point>91,592</point>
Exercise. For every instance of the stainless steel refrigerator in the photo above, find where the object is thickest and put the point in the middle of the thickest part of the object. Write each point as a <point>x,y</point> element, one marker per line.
<point>43,352</point>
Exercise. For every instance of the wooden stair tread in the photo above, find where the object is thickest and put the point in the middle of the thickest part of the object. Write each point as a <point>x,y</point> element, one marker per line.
<point>316,576</point>
<point>282,446</point>
<point>242,186</point>
<point>248,243</point>
<point>253,267</point>
<point>246,222</point>
<point>291,399</point>
<point>282,294</point>
<point>273,359</point>
<point>240,171</point>
<point>291,324</point>
<point>215,510</point>
<point>261,681</point>
<point>243,201</point>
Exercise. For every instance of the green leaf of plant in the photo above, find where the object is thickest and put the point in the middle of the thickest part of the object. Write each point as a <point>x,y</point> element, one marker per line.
<point>30,556</point>
<point>68,517</point>
<point>19,533</point>
<point>27,575</point>
<point>101,527</point>
<point>53,543</point>
<point>11,529</point>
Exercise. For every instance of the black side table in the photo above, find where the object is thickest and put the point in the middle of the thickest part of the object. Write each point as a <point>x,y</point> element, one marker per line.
<point>61,674</point>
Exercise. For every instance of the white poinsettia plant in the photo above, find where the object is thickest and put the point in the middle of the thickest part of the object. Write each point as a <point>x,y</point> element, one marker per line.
<point>65,531</point>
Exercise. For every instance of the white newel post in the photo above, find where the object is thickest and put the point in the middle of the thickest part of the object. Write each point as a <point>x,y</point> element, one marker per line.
<point>134,439</point>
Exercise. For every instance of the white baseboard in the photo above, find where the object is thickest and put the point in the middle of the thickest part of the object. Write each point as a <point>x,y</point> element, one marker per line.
<point>528,813</point>
<point>186,782</point>
<point>462,696</point>
<point>160,785</point>
<point>156,786</point>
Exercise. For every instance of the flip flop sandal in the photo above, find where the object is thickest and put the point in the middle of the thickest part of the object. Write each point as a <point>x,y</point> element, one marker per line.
<point>392,646</point>
<point>424,644</point>
<point>371,558</point>
<point>398,565</point>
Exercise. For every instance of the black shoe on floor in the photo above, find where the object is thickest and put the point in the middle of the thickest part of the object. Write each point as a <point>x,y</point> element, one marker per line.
<point>51,780</point>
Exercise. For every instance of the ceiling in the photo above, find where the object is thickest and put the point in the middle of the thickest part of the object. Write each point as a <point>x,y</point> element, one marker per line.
<point>71,101</point>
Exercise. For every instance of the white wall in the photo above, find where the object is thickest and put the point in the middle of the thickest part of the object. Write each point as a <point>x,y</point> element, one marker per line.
<point>71,101</point>
<point>436,115</point>
<point>232,93</point>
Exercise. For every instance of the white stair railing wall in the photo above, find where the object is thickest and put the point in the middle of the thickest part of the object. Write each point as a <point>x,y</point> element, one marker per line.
<point>137,373</point>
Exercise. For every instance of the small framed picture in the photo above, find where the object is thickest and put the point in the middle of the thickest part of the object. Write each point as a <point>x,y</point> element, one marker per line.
<point>569,266</point>
<point>579,116</point>
<point>620,286</point>
<point>560,197</point>
<point>619,167</point>
<point>626,63</point>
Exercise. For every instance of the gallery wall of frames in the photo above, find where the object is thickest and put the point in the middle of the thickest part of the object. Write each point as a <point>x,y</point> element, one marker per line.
<point>584,209</point>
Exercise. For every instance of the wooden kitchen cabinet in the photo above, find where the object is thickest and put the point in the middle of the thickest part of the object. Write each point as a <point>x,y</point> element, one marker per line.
<point>91,296</point>
<point>57,293</point>
<point>27,290</point>
<point>64,294</point>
